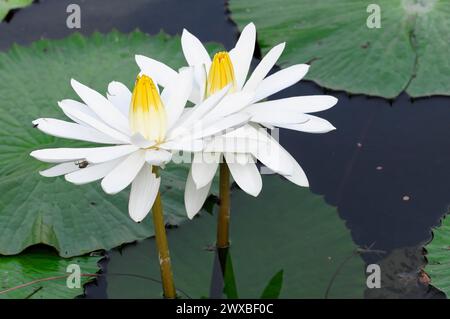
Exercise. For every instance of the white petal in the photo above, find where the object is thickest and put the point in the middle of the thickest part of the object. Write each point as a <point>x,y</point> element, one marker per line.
<point>74,131</point>
<point>258,142</point>
<point>245,175</point>
<point>227,123</point>
<point>102,107</point>
<point>297,176</point>
<point>158,71</point>
<point>57,155</point>
<point>314,125</point>
<point>194,198</point>
<point>60,169</point>
<point>264,67</point>
<point>280,80</point>
<point>304,104</point>
<point>194,51</point>
<point>188,145</point>
<point>95,123</point>
<point>143,193</point>
<point>124,173</point>
<point>140,141</point>
<point>198,91</point>
<point>204,167</point>
<point>120,96</point>
<point>111,153</point>
<point>190,118</point>
<point>75,105</point>
<point>242,54</point>
<point>91,173</point>
<point>157,157</point>
<point>179,92</point>
<point>230,104</point>
<point>276,117</point>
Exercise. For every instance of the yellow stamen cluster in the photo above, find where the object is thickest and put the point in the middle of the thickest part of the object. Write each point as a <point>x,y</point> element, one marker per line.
<point>220,74</point>
<point>147,113</point>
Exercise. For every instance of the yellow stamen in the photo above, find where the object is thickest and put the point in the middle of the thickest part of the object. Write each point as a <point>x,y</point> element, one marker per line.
<point>220,74</point>
<point>147,113</point>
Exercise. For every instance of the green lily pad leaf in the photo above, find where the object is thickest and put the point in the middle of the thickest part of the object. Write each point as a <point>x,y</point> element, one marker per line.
<point>35,209</point>
<point>286,227</point>
<point>408,52</point>
<point>438,256</point>
<point>40,273</point>
<point>7,5</point>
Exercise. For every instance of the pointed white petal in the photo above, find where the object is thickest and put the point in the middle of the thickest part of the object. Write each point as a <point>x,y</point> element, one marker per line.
<point>140,141</point>
<point>143,193</point>
<point>199,87</point>
<point>194,198</point>
<point>204,167</point>
<point>242,54</point>
<point>58,155</point>
<point>157,157</point>
<point>190,118</point>
<point>91,173</point>
<point>263,146</point>
<point>102,107</point>
<point>179,92</point>
<point>280,80</point>
<point>276,117</point>
<point>264,67</point>
<point>246,175</point>
<point>124,173</point>
<point>158,71</point>
<point>111,153</point>
<point>230,104</point>
<point>60,169</point>
<point>75,105</point>
<point>74,131</point>
<point>297,176</point>
<point>194,51</point>
<point>120,96</point>
<point>95,123</point>
<point>183,144</point>
<point>304,104</point>
<point>227,123</point>
<point>314,125</point>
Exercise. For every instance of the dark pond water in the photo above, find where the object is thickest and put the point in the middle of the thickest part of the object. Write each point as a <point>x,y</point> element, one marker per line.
<point>386,167</point>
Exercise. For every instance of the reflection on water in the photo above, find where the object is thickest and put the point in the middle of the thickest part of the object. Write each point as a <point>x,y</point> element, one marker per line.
<point>386,166</point>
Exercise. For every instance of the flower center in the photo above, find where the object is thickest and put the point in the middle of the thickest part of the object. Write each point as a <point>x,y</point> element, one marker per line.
<point>147,113</point>
<point>220,74</point>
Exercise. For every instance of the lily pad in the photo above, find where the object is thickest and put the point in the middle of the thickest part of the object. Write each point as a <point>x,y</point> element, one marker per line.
<point>8,5</point>
<point>438,256</point>
<point>42,274</point>
<point>34,209</point>
<point>286,227</point>
<point>408,52</point>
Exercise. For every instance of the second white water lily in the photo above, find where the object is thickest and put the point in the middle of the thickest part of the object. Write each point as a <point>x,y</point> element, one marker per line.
<point>244,97</point>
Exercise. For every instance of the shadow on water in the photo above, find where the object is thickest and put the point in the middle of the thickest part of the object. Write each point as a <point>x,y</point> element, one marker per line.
<point>386,167</point>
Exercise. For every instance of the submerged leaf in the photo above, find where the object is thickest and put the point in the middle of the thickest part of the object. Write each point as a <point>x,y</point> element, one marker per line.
<point>273,288</point>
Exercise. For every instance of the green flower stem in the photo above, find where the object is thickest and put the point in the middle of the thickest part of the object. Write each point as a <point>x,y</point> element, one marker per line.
<point>163,247</point>
<point>223,225</point>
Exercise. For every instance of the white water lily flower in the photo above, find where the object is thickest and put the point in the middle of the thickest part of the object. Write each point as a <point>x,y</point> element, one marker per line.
<point>245,95</point>
<point>143,128</point>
